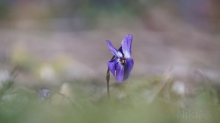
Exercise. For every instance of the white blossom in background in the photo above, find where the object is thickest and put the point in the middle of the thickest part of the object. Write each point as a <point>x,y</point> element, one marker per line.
<point>47,73</point>
<point>4,78</point>
<point>4,75</point>
<point>179,87</point>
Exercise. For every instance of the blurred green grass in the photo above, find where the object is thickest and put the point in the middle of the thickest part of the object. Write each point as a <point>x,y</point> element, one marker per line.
<point>129,103</point>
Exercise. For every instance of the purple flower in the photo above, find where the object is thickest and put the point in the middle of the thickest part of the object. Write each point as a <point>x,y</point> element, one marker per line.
<point>123,63</point>
<point>43,94</point>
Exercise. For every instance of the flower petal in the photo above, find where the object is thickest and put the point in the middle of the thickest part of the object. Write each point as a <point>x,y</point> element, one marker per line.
<point>112,65</point>
<point>126,45</point>
<point>119,72</point>
<point>113,50</point>
<point>45,93</point>
<point>128,67</point>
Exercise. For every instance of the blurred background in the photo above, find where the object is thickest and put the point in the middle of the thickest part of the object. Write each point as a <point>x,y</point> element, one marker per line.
<point>68,37</point>
<point>57,43</point>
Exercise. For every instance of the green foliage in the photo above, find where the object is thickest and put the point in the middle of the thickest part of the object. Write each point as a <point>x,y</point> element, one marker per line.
<point>22,107</point>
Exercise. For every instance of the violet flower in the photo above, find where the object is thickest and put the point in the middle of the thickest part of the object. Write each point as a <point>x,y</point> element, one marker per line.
<point>43,94</point>
<point>122,64</point>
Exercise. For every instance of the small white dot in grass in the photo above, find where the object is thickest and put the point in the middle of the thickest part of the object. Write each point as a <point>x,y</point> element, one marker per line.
<point>179,87</point>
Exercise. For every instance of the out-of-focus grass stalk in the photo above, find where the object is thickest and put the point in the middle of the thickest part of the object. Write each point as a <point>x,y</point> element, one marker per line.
<point>71,100</point>
<point>8,84</point>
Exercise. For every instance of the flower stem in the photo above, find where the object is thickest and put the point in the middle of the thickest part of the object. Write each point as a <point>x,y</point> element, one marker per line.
<point>108,78</point>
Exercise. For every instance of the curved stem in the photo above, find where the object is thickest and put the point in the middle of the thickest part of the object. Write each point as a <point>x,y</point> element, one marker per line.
<point>108,78</point>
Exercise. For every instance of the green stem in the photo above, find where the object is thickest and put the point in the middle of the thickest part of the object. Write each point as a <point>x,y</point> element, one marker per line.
<point>108,78</point>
